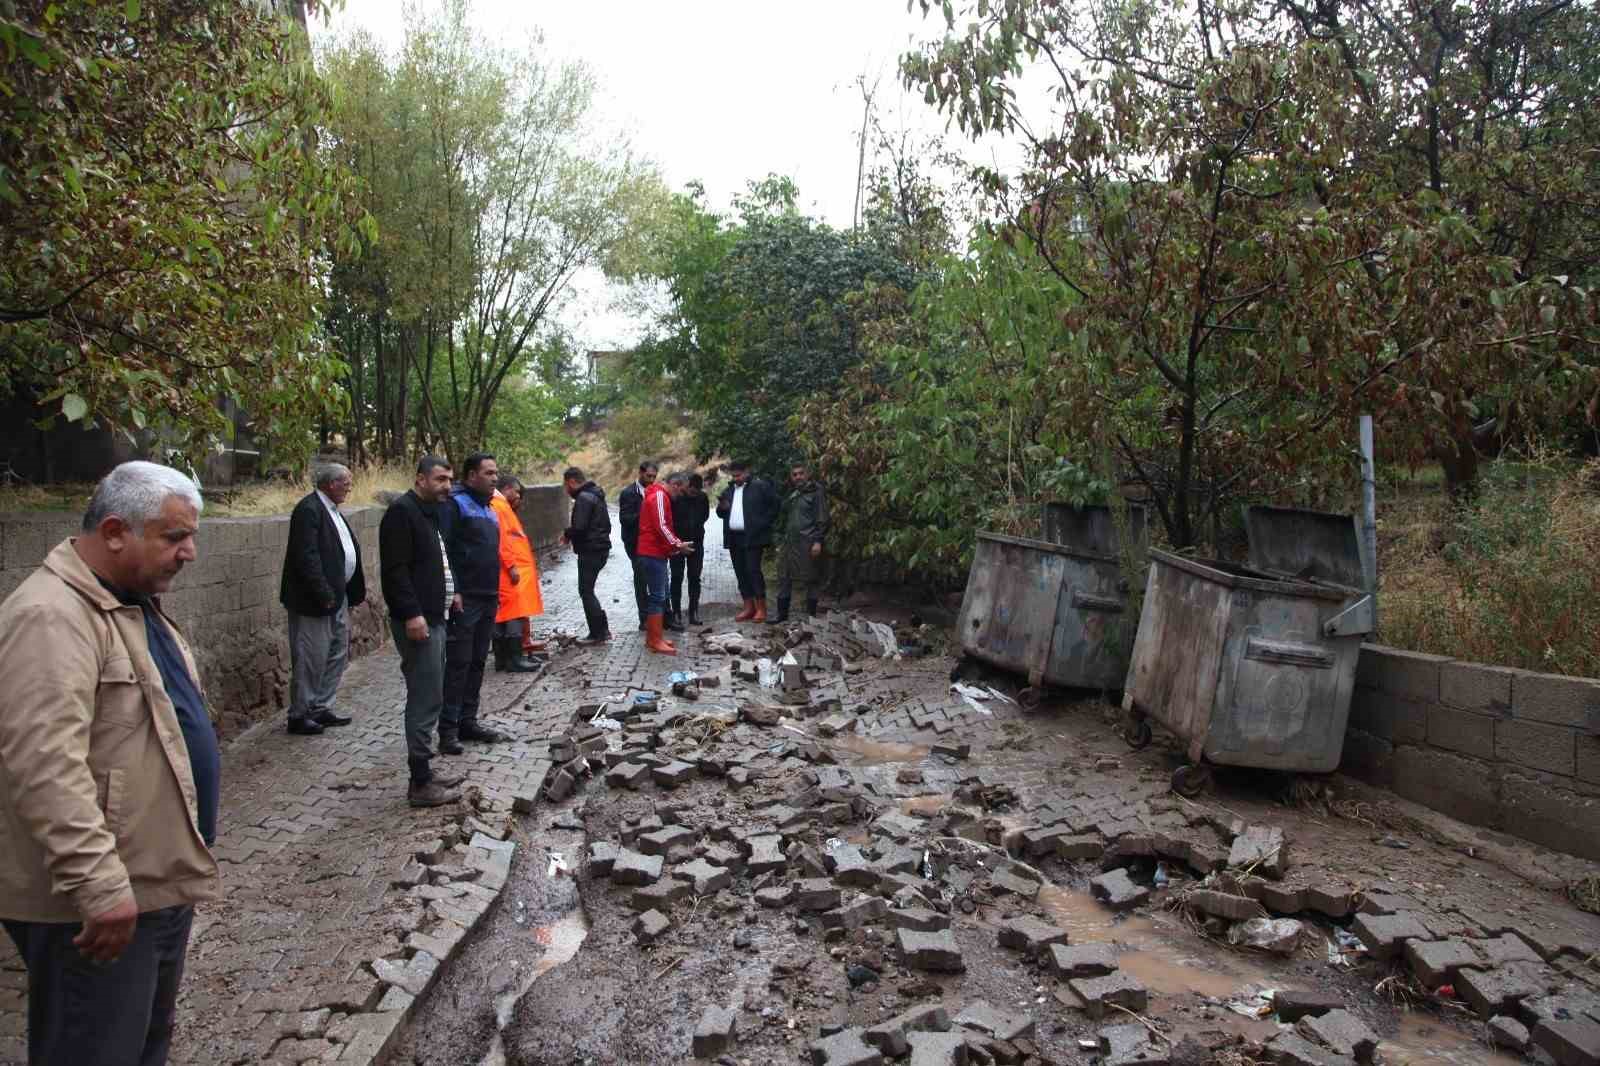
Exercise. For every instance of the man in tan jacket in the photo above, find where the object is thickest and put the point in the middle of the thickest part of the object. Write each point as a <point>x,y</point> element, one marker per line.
<point>109,778</point>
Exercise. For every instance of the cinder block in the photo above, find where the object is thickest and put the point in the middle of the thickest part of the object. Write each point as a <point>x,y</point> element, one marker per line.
<point>1411,674</point>
<point>1550,748</point>
<point>28,540</point>
<point>1573,702</point>
<point>1559,818</point>
<point>1462,731</point>
<point>1461,787</point>
<point>1396,719</point>
<point>1588,759</point>
<point>1368,758</point>
<point>1476,687</point>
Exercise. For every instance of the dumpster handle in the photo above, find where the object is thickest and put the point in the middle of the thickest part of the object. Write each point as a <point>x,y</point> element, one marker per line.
<point>1288,653</point>
<point>1090,601</point>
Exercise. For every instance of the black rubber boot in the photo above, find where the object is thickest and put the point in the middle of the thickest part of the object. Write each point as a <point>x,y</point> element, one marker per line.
<point>498,645</point>
<point>449,743</point>
<point>694,609</point>
<point>811,607</point>
<point>783,611</point>
<point>675,622</point>
<point>508,656</point>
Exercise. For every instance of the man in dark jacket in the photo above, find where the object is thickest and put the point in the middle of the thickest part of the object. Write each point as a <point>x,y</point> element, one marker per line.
<point>690,511</point>
<point>322,580</point>
<point>472,540</point>
<point>805,526</point>
<point>589,533</point>
<point>628,505</point>
<point>420,591</point>
<point>748,507</point>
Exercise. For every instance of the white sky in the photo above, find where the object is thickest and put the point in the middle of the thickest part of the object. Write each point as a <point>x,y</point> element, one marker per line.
<point>719,91</point>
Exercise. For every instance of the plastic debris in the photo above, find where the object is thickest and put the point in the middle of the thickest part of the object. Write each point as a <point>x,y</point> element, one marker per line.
<point>558,865</point>
<point>767,672</point>
<point>1281,936</point>
<point>1161,878</point>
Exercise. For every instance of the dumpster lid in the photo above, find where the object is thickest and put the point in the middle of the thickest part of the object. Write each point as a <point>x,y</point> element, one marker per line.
<point>1310,546</point>
<point>1092,530</point>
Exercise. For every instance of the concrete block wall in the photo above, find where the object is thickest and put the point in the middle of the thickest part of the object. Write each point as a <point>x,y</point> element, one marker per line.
<point>1513,750</point>
<point>225,602</point>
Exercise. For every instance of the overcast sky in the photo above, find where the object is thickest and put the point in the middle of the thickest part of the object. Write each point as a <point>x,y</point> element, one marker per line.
<point>719,91</point>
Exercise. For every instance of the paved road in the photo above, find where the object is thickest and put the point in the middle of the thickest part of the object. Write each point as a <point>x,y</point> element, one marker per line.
<point>314,831</point>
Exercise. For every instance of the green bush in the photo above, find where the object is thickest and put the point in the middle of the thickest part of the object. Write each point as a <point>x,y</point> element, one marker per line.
<point>636,433</point>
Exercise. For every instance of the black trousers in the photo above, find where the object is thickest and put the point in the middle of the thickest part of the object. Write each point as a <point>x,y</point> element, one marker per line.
<point>589,566</point>
<point>641,595</point>
<point>465,650</point>
<point>694,564</point>
<point>747,567</point>
<point>116,1014</point>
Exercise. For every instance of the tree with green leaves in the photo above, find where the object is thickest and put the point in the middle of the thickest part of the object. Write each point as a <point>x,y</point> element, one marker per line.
<point>166,217</point>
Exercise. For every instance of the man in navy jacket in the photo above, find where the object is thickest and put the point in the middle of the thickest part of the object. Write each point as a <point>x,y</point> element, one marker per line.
<point>472,540</point>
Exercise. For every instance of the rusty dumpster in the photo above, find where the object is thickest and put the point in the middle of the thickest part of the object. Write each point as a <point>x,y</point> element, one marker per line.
<point>1253,665</point>
<point>1054,612</point>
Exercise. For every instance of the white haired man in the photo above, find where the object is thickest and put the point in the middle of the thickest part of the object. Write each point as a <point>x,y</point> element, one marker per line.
<point>109,777</point>
<point>322,581</point>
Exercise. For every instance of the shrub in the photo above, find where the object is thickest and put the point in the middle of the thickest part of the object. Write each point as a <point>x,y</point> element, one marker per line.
<point>635,433</point>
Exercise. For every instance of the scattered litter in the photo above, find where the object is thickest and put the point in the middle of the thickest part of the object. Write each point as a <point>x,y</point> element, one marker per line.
<point>887,641</point>
<point>1342,946</point>
<point>767,673</point>
<point>1161,878</point>
<point>832,844</point>
<point>973,696</point>
<point>558,865</point>
<point>1395,842</point>
<point>602,721</point>
<point>678,677</point>
<point>1001,696</point>
<point>1258,1005</point>
<point>1281,936</point>
<point>521,913</point>
<point>1088,1044</point>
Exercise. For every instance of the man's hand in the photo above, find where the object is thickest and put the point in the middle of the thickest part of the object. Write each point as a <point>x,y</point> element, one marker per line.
<point>516,578</point>
<point>816,550</point>
<point>686,548</point>
<point>456,604</point>
<point>417,628</point>
<point>564,538</point>
<point>106,935</point>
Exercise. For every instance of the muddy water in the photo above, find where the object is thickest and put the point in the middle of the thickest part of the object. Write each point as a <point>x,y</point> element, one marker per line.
<point>924,806</point>
<point>1424,1040</point>
<point>869,752</point>
<point>561,939</point>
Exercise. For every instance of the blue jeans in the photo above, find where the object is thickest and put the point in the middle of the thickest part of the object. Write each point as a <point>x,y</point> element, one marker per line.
<point>656,578</point>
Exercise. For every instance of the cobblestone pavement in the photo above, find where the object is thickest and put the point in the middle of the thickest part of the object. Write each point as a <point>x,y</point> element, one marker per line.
<point>317,844</point>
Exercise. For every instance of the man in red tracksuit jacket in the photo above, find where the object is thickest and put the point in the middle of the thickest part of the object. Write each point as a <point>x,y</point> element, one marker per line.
<point>657,544</point>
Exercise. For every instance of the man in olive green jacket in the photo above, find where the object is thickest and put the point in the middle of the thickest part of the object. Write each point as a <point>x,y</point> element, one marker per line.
<point>109,778</point>
<point>805,528</point>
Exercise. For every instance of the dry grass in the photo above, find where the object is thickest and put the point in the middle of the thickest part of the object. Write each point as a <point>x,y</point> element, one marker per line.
<point>279,497</point>
<point>614,472</point>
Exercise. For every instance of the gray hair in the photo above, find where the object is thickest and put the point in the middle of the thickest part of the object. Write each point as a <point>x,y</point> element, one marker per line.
<point>679,478</point>
<point>325,474</point>
<point>136,492</point>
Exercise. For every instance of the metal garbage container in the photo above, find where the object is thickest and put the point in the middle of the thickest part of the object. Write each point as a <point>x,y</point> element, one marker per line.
<point>1253,665</point>
<point>1053,611</point>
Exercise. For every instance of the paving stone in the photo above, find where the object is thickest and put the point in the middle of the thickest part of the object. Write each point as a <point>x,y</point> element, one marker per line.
<point>650,926</point>
<point>660,895</point>
<point>816,894</point>
<point>1341,1032</point>
<point>1099,994</point>
<point>1116,890</point>
<point>937,1049</point>
<point>1262,850</point>
<point>1328,898</point>
<point>952,749</point>
<point>721,855</point>
<point>1570,1041</point>
<point>980,1017</point>
<point>1124,1045</point>
<point>1004,880</point>
<point>1491,992</point>
<point>775,896</point>
<point>1224,905</point>
<point>854,915</point>
<point>1080,847</point>
<point>602,855</point>
<point>1500,950</point>
<point>632,868</point>
<point>765,854</point>
<point>921,919</point>
<point>715,1033</point>
<point>1292,1004</point>
<point>850,867</point>
<point>673,774</point>
<point>936,951</point>
<point>663,840</point>
<point>627,775</point>
<point>1082,960</point>
<point>1385,934</point>
<point>704,877</point>
<point>1029,934</point>
<point>1437,962</point>
<point>1507,1032</point>
<point>844,1048</point>
<point>1291,1049</point>
<point>889,1036</point>
<point>413,975</point>
<point>897,859</point>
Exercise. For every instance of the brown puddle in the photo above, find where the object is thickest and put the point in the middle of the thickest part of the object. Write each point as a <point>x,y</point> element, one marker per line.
<point>1426,1041</point>
<point>924,806</point>
<point>869,752</point>
<point>561,939</point>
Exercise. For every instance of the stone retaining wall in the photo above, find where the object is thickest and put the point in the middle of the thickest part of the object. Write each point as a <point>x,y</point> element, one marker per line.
<point>1509,749</point>
<point>226,601</point>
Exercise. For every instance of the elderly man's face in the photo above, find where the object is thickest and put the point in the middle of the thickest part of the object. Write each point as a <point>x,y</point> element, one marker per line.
<point>146,561</point>
<point>338,490</point>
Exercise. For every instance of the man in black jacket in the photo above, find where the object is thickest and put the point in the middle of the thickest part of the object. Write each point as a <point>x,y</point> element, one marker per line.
<point>628,505</point>
<point>322,580</point>
<point>420,590</point>
<point>748,507</point>
<point>690,512</point>
<point>589,533</point>
<point>472,540</point>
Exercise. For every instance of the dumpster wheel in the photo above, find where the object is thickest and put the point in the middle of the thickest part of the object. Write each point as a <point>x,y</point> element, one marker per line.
<point>1190,781</point>
<point>1137,733</point>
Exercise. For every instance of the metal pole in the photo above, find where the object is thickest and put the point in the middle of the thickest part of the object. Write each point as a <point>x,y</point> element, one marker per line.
<point>1369,514</point>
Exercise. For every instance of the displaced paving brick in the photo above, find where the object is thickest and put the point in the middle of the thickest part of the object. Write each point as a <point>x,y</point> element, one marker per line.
<point>921,919</point>
<point>1082,960</point>
<point>766,854</point>
<point>627,775</point>
<point>775,896</point>
<point>413,975</point>
<point>951,749</point>
<point>1508,1033</point>
<point>816,894</point>
<point>1438,962</point>
<point>673,774</point>
<point>1292,1004</point>
<point>1100,994</point>
<point>845,1048</point>
<point>650,925</point>
<point>854,915</point>
<point>1571,1041</point>
<point>1491,992</point>
<point>936,951</point>
<point>1341,1032</point>
<point>720,855</point>
<point>1074,848</point>
<point>1333,900</point>
<point>1290,1049</point>
<point>1029,934</point>
<point>1385,934</point>
<point>663,840</point>
<point>1500,950</point>
<point>937,1049</point>
<point>632,868</point>
<point>1224,905</point>
<point>1262,850</point>
<point>897,859</point>
<point>980,1017</point>
<point>889,1036</point>
<point>850,867</point>
<point>714,1034</point>
<point>663,893</point>
<point>1126,1045</point>
<point>602,855</point>
<point>704,877</point>
<point>1117,891</point>
<point>1004,880</point>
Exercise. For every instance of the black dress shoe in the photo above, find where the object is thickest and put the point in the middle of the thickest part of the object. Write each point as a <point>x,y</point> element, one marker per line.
<point>305,727</point>
<point>449,745</point>
<point>328,718</point>
<point>481,734</point>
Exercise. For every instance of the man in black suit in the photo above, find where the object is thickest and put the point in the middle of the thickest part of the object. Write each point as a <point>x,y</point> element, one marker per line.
<point>749,508</point>
<point>628,505</point>
<point>322,580</point>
